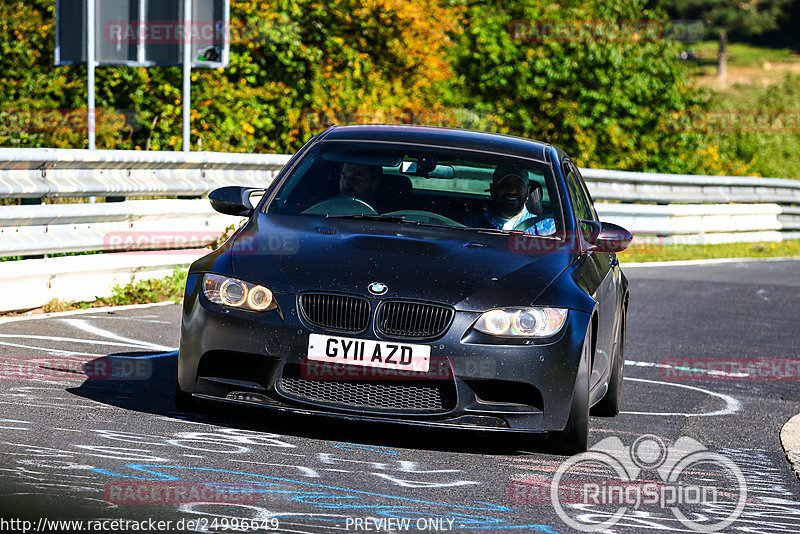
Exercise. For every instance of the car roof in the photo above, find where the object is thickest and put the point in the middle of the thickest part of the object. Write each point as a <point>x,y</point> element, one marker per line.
<point>435,136</point>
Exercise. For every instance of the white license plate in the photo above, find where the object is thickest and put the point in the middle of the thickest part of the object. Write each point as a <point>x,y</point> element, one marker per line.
<point>369,353</point>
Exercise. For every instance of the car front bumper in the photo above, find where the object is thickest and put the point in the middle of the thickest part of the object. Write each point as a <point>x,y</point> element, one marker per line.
<point>259,359</point>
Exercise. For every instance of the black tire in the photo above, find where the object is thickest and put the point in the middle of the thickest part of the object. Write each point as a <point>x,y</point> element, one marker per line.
<point>610,404</point>
<point>575,436</point>
<point>184,402</point>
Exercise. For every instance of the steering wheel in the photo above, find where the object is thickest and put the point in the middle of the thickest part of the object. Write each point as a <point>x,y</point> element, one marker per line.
<point>343,205</point>
<point>425,217</point>
<point>529,223</point>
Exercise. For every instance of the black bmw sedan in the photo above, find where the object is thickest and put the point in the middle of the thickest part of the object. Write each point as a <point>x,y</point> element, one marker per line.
<point>422,276</point>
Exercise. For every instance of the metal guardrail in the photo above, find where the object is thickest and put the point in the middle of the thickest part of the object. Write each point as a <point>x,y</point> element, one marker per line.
<point>48,172</point>
<point>109,227</point>
<point>697,223</point>
<point>675,207</point>
<point>641,187</point>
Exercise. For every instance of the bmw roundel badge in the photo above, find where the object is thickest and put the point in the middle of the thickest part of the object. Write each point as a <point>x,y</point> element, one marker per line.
<point>378,288</point>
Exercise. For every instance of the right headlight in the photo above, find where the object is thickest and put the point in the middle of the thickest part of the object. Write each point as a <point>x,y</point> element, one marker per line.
<point>235,293</point>
<point>522,322</point>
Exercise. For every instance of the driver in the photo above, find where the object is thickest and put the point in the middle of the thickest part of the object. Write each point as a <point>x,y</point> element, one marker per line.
<point>510,190</point>
<point>360,181</point>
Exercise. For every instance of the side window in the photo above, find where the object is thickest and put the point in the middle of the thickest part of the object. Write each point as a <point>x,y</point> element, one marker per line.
<point>585,190</point>
<point>580,198</point>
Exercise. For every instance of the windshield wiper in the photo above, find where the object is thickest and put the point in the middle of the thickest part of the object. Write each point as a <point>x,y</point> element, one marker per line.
<point>370,217</point>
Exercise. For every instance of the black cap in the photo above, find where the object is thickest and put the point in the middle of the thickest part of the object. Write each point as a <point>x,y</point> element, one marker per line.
<point>501,173</point>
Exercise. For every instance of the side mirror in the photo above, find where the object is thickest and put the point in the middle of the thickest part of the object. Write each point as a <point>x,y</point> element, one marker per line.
<point>233,200</point>
<point>608,237</point>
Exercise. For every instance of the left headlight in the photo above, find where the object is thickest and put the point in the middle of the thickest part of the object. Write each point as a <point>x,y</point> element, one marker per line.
<point>237,294</point>
<point>522,322</point>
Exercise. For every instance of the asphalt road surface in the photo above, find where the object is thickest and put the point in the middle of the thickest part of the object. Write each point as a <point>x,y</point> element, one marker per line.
<point>88,432</point>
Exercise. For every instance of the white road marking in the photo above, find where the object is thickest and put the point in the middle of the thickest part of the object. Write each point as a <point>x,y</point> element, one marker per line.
<point>143,319</point>
<point>731,405</point>
<point>75,340</point>
<point>94,406</point>
<point>107,309</point>
<point>55,352</point>
<point>89,328</point>
<point>681,263</point>
<point>710,372</point>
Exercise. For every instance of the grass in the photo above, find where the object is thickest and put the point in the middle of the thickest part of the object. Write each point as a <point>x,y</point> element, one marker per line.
<point>150,290</point>
<point>743,55</point>
<point>654,252</point>
<point>747,65</point>
<point>134,292</point>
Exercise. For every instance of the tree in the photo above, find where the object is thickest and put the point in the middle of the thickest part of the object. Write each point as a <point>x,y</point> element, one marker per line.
<point>749,17</point>
<point>597,78</point>
<point>296,66</point>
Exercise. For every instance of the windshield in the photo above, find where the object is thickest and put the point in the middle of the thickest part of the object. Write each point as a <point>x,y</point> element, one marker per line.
<point>422,185</point>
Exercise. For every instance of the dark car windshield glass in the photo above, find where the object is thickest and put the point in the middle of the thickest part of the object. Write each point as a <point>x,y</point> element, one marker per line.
<point>430,186</point>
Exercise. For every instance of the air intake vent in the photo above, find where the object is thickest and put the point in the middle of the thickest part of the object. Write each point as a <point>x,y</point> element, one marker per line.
<point>327,231</point>
<point>381,396</point>
<point>412,320</point>
<point>335,312</point>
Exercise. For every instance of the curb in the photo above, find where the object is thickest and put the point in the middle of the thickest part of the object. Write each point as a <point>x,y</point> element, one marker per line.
<point>102,309</point>
<point>715,261</point>
<point>790,439</point>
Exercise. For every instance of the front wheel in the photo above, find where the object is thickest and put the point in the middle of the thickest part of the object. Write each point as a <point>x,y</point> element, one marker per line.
<point>575,436</point>
<point>609,405</point>
<point>184,402</point>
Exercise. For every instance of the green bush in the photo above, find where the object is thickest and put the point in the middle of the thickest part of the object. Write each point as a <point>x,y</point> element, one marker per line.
<point>149,290</point>
<point>299,65</point>
<point>603,99</point>
<point>770,153</point>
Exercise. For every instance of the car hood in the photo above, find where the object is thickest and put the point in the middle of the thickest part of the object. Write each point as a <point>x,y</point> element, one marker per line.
<point>466,269</point>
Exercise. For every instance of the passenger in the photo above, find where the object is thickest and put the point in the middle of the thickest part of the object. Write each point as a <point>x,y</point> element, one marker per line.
<point>511,191</point>
<point>360,181</point>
